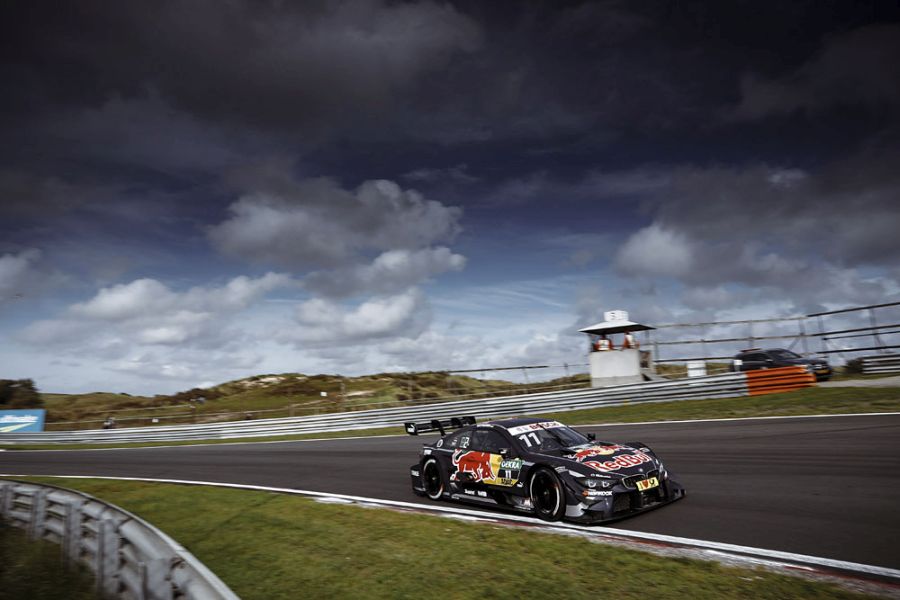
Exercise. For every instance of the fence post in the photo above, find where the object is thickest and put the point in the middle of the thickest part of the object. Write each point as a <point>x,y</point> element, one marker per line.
<point>155,579</point>
<point>72,531</point>
<point>107,558</point>
<point>38,514</point>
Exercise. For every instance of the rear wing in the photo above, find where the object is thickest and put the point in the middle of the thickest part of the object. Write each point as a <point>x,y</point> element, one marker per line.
<point>441,425</point>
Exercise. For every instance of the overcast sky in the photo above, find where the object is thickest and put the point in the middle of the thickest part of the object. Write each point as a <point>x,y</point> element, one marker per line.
<point>192,192</point>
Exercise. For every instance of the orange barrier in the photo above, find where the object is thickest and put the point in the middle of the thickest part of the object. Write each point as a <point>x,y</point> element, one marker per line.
<point>780,379</point>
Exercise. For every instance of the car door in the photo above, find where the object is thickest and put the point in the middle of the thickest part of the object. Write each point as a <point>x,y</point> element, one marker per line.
<point>499,466</point>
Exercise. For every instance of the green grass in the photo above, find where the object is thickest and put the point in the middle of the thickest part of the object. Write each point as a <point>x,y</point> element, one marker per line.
<point>26,566</point>
<point>270,546</point>
<point>808,401</point>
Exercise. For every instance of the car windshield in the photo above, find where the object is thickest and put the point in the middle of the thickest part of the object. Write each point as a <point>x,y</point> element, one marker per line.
<point>548,438</point>
<point>784,354</point>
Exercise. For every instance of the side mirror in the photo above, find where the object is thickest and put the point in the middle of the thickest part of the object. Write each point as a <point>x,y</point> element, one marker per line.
<point>592,437</point>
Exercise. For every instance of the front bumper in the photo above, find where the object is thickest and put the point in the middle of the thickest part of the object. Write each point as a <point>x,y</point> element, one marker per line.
<point>621,503</point>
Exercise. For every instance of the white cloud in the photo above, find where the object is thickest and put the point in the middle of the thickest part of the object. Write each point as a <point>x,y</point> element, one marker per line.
<point>324,322</point>
<point>315,223</point>
<point>656,251</point>
<point>390,271</point>
<point>145,312</point>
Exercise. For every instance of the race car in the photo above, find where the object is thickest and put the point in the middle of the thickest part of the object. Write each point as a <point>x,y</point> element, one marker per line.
<point>540,467</point>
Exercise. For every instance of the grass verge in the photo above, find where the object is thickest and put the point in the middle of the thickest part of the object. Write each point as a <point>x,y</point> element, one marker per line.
<point>26,565</point>
<point>271,546</point>
<point>808,401</point>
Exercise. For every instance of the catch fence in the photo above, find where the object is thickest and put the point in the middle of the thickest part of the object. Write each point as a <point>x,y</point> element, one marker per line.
<point>842,334</point>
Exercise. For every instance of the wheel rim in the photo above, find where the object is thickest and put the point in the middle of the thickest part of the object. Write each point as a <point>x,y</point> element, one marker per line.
<point>545,494</point>
<point>431,478</point>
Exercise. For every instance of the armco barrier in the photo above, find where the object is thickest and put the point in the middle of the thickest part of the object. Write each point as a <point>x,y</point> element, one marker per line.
<point>131,558</point>
<point>716,386</point>
<point>780,379</point>
<point>886,363</point>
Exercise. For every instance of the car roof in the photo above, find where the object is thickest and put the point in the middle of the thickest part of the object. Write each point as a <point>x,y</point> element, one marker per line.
<point>508,423</point>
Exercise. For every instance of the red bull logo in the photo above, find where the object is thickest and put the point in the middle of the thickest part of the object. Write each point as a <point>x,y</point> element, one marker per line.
<point>596,451</point>
<point>619,462</point>
<point>476,463</point>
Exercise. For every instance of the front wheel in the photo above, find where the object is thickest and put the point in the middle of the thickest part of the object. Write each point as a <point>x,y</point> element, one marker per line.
<point>547,495</point>
<point>432,480</point>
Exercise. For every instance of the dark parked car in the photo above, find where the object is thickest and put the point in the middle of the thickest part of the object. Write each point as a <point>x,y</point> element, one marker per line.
<point>540,467</point>
<point>757,358</point>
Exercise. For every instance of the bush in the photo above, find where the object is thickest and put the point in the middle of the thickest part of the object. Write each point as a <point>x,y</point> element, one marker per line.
<point>19,393</point>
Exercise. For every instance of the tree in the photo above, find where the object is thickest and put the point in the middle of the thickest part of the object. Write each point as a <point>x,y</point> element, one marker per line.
<point>19,393</point>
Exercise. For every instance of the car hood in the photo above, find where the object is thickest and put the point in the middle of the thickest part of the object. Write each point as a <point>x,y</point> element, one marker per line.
<point>610,459</point>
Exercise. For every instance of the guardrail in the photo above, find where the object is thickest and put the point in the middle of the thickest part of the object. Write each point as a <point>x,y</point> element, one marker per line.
<point>131,558</point>
<point>886,363</point>
<point>715,386</point>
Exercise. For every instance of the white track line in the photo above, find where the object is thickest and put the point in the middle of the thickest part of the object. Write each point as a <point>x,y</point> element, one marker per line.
<point>366,437</point>
<point>786,558</point>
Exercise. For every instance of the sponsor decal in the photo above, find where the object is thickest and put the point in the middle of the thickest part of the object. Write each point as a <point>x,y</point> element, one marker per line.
<point>595,493</point>
<point>586,453</point>
<point>533,427</point>
<point>487,468</point>
<point>648,484</point>
<point>619,462</point>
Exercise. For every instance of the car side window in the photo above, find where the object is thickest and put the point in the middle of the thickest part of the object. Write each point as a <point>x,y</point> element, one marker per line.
<point>460,439</point>
<point>486,440</point>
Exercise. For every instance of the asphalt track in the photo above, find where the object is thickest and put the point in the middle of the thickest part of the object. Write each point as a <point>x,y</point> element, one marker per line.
<point>827,487</point>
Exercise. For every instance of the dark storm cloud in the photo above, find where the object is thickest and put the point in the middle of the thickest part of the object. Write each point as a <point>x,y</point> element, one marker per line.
<point>849,71</point>
<point>789,233</point>
<point>265,63</point>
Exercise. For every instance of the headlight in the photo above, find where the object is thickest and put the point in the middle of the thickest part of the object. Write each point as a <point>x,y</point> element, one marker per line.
<point>594,482</point>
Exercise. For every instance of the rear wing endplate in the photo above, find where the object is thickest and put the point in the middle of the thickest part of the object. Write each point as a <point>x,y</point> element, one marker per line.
<point>441,425</point>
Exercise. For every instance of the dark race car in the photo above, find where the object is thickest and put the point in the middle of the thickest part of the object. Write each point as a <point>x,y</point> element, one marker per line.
<point>757,358</point>
<point>540,467</point>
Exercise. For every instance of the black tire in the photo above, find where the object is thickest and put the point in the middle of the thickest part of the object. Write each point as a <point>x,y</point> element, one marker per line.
<point>431,479</point>
<point>547,495</point>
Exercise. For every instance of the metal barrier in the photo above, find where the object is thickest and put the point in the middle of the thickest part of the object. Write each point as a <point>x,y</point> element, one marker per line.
<point>886,363</point>
<point>715,386</point>
<point>131,558</point>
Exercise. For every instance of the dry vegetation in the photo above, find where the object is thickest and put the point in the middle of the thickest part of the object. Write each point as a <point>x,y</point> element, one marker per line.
<point>279,395</point>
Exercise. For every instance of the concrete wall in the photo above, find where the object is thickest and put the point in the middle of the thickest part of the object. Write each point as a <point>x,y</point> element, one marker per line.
<point>615,367</point>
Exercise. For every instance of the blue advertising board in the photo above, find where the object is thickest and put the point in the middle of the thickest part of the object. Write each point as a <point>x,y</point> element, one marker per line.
<point>22,420</point>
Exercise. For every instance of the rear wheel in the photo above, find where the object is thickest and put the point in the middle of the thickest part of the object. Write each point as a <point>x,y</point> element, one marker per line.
<point>432,480</point>
<point>547,496</point>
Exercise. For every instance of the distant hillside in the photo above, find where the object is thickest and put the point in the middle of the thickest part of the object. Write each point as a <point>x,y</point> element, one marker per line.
<point>279,395</point>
